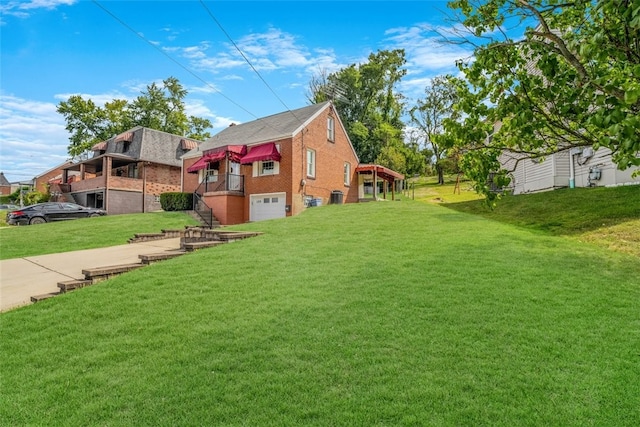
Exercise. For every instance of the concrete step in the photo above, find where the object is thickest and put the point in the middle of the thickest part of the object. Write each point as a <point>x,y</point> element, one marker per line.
<point>103,273</point>
<point>230,236</point>
<point>70,285</point>
<point>44,296</point>
<point>149,258</point>
<point>192,246</point>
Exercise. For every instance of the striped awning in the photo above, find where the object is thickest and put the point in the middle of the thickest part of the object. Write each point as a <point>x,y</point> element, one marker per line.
<point>100,146</point>
<point>188,144</point>
<point>127,136</point>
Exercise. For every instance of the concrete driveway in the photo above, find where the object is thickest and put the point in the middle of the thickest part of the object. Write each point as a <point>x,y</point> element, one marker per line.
<point>22,278</point>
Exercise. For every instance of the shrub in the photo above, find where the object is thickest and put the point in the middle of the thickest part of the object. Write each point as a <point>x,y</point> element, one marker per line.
<point>176,201</point>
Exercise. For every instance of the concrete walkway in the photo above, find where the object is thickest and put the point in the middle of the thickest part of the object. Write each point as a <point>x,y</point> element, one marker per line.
<point>22,278</point>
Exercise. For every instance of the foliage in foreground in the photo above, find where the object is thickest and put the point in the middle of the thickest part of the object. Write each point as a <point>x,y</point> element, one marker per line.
<point>573,80</point>
<point>396,313</point>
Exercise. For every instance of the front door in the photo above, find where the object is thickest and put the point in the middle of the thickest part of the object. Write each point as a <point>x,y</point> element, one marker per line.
<point>235,181</point>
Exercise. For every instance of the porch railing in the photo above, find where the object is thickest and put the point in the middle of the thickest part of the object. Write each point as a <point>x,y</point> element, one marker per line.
<point>226,182</point>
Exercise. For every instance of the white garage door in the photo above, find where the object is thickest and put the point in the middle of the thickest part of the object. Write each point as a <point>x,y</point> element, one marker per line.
<point>267,206</point>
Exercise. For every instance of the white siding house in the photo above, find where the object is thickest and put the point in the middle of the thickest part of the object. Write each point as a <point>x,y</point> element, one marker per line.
<point>591,168</point>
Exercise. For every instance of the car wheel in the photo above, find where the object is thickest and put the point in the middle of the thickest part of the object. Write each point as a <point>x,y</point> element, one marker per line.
<point>94,215</point>
<point>37,220</point>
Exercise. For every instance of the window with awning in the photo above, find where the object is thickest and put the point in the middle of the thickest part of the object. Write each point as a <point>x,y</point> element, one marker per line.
<point>263,152</point>
<point>127,136</point>
<point>100,146</point>
<point>188,144</point>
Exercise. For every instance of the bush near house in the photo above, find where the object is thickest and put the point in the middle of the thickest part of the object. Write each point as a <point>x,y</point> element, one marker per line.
<point>176,201</point>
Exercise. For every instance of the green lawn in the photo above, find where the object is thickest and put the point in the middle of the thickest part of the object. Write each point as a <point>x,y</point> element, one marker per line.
<point>390,313</point>
<point>608,217</point>
<point>89,233</point>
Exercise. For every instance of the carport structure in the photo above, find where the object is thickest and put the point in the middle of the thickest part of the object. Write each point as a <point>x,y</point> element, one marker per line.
<point>370,175</point>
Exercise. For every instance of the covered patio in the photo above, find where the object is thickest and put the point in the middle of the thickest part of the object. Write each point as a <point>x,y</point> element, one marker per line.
<point>370,177</point>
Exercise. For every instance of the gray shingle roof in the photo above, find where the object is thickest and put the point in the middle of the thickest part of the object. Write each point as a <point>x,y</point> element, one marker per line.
<point>265,129</point>
<point>3,179</point>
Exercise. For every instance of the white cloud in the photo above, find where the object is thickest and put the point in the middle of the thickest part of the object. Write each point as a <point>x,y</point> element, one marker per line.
<point>34,138</point>
<point>23,9</point>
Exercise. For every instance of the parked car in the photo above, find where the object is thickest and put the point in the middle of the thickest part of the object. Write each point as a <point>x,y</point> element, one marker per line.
<point>9,207</point>
<point>47,212</point>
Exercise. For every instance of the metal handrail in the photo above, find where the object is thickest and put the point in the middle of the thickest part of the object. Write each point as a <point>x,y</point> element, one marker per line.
<point>203,211</point>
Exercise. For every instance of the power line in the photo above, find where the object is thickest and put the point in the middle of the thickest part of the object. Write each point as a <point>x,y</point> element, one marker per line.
<point>171,58</point>
<point>246,59</point>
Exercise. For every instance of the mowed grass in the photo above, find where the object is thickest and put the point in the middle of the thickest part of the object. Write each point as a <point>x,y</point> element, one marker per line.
<point>607,217</point>
<point>396,313</point>
<point>86,233</point>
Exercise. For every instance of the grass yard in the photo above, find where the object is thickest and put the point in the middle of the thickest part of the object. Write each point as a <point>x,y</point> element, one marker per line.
<point>88,233</point>
<point>397,313</point>
<point>608,217</point>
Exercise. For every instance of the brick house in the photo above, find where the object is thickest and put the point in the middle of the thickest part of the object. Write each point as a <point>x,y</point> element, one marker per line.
<point>5,185</point>
<point>43,181</point>
<point>276,166</point>
<point>128,172</point>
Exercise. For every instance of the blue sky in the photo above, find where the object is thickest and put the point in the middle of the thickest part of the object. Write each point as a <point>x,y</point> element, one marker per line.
<point>52,49</point>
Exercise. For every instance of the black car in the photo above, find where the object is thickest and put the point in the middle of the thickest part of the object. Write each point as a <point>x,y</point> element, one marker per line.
<point>47,212</point>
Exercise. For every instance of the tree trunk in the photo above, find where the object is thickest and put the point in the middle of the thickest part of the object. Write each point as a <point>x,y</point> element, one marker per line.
<point>440,171</point>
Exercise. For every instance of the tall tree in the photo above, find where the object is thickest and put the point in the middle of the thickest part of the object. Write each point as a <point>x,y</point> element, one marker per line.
<point>429,115</point>
<point>573,79</point>
<point>366,98</point>
<point>160,108</point>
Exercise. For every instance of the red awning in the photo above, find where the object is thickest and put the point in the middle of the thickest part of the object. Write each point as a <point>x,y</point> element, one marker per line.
<point>384,173</point>
<point>200,164</point>
<point>203,162</point>
<point>262,152</point>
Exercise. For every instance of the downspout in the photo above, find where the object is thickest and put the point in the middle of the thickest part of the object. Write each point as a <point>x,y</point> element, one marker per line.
<point>144,186</point>
<point>572,169</point>
<point>572,172</point>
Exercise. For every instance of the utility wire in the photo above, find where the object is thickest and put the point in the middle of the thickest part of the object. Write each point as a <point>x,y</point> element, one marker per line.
<point>172,59</point>
<point>246,59</point>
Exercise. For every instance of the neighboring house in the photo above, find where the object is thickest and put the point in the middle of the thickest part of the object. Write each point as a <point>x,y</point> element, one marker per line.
<point>43,182</point>
<point>277,166</point>
<point>570,168</point>
<point>128,172</point>
<point>5,185</point>
<point>576,167</point>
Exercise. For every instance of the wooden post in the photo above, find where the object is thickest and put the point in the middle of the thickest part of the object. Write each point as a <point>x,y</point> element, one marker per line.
<point>457,187</point>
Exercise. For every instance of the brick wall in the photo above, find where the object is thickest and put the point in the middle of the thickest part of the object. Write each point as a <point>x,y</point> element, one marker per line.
<point>330,159</point>
<point>162,179</point>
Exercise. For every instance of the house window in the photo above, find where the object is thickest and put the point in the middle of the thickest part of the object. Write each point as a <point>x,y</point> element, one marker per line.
<point>331,129</point>
<point>347,174</point>
<point>266,168</point>
<point>311,163</point>
<point>210,174</point>
<point>132,170</point>
<point>125,146</point>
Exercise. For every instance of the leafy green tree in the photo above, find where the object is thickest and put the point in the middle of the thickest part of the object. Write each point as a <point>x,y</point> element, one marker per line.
<point>429,115</point>
<point>572,80</point>
<point>160,108</point>
<point>366,99</point>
